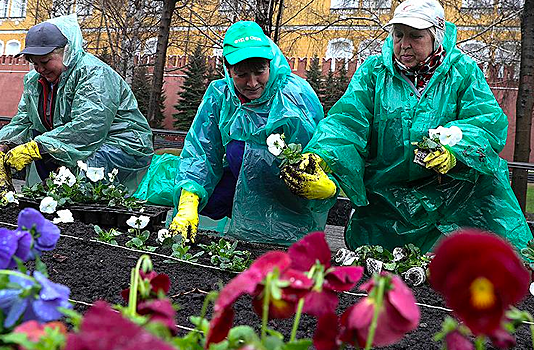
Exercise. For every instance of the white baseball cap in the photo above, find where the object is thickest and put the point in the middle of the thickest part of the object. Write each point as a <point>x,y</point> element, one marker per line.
<point>419,14</point>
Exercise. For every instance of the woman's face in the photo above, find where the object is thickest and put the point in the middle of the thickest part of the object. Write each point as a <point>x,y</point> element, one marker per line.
<point>49,66</point>
<point>249,83</point>
<point>411,46</point>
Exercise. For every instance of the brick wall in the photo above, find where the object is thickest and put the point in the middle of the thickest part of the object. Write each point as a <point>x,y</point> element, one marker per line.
<point>12,71</point>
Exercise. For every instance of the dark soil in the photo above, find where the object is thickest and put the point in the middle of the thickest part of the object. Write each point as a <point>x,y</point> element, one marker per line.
<point>95,271</point>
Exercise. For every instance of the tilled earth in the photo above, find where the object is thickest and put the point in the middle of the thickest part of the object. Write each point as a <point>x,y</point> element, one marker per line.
<point>96,271</point>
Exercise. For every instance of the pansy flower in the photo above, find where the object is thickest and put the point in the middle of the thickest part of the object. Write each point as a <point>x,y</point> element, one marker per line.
<point>159,310</point>
<point>35,330</point>
<point>14,244</point>
<point>290,285</point>
<point>48,205</point>
<point>45,233</point>
<point>398,314</point>
<point>480,276</point>
<point>105,329</point>
<point>156,284</point>
<point>95,174</point>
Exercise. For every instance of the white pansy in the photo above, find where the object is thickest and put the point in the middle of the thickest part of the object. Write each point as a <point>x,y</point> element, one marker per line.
<point>276,144</point>
<point>10,197</point>
<point>95,174</point>
<point>162,234</point>
<point>113,174</point>
<point>531,288</point>
<point>434,133</point>
<point>138,222</point>
<point>64,175</point>
<point>48,205</point>
<point>450,136</point>
<point>82,165</point>
<point>63,216</point>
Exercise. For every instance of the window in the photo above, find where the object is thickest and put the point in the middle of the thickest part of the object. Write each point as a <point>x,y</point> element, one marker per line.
<point>339,48</point>
<point>12,47</point>
<point>477,4</point>
<point>513,5</point>
<point>62,7</point>
<point>344,4</point>
<point>150,46</point>
<point>478,51</point>
<point>217,52</point>
<point>236,5</point>
<point>376,4</point>
<point>2,47</point>
<point>3,8</point>
<point>508,54</point>
<point>84,8</point>
<point>18,9</point>
<point>367,48</point>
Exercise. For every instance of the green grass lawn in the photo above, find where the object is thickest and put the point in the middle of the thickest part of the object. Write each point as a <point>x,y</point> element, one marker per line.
<point>530,198</point>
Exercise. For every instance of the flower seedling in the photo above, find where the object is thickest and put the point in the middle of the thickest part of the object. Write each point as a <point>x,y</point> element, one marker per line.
<point>107,236</point>
<point>180,249</point>
<point>289,153</point>
<point>437,139</point>
<point>139,238</point>
<point>8,197</point>
<point>225,255</point>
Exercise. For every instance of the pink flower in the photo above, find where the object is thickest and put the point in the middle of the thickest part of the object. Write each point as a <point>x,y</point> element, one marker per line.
<point>159,310</point>
<point>398,314</point>
<point>250,281</point>
<point>502,338</point>
<point>480,276</point>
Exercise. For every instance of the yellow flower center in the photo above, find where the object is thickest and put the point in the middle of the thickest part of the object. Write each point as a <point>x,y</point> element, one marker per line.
<point>482,294</point>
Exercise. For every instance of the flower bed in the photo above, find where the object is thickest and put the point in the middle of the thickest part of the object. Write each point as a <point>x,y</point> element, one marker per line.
<point>93,271</point>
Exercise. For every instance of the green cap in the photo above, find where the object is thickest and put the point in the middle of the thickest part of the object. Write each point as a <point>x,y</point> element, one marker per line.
<point>244,40</point>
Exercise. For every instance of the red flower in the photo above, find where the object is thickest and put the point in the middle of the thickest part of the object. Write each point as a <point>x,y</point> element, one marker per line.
<point>398,314</point>
<point>310,252</point>
<point>159,310</point>
<point>35,330</point>
<point>292,285</point>
<point>457,341</point>
<point>480,276</point>
<point>105,329</point>
<point>502,338</point>
<point>158,282</point>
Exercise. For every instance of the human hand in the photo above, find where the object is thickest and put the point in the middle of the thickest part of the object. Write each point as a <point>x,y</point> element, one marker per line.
<point>22,155</point>
<point>185,221</point>
<point>441,160</point>
<point>308,179</point>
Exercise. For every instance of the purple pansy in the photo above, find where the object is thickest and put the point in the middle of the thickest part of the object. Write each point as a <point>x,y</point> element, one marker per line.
<point>37,304</point>
<point>13,243</point>
<point>45,233</point>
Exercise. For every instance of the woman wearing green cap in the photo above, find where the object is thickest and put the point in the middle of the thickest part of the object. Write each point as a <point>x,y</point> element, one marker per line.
<point>74,108</point>
<point>420,84</point>
<point>225,169</point>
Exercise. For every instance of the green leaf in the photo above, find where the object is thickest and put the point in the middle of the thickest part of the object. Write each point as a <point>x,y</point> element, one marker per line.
<point>299,344</point>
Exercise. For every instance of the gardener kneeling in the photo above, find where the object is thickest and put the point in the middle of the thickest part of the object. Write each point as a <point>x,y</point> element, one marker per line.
<point>225,169</point>
<point>74,107</point>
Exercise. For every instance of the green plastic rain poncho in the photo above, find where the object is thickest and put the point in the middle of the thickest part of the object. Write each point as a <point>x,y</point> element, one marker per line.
<point>96,118</point>
<point>366,141</point>
<point>264,210</point>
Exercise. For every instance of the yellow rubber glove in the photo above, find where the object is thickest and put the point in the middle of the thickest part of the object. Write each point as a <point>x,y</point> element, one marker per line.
<point>22,155</point>
<point>185,221</point>
<point>308,179</point>
<point>5,176</point>
<point>441,160</point>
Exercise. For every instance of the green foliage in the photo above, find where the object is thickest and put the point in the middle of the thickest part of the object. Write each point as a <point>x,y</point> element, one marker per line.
<point>328,94</point>
<point>214,73</point>
<point>224,255</point>
<point>141,87</point>
<point>193,89</point>
<point>138,240</point>
<point>342,80</point>
<point>314,75</point>
<point>180,249</point>
<point>107,236</point>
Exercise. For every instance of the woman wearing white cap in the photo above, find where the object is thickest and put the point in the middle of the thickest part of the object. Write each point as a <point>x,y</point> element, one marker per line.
<point>420,81</point>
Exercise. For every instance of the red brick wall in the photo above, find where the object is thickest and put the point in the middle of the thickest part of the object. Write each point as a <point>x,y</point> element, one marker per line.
<point>12,71</point>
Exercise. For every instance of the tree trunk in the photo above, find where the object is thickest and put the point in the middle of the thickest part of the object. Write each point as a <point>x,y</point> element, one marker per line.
<point>524,104</point>
<point>161,56</point>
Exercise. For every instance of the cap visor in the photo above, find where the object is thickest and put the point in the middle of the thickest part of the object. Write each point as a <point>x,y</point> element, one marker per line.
<point>416,23</point>
<point>249,52</point>
<point>38,51</point>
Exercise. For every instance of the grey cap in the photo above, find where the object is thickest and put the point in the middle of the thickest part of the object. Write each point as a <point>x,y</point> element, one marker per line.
<point>42,39</point>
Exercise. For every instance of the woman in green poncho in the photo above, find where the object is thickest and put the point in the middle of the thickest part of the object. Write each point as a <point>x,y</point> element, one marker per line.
<point>225,168</point>
<point>420,82</point>
<point>74,107</point>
